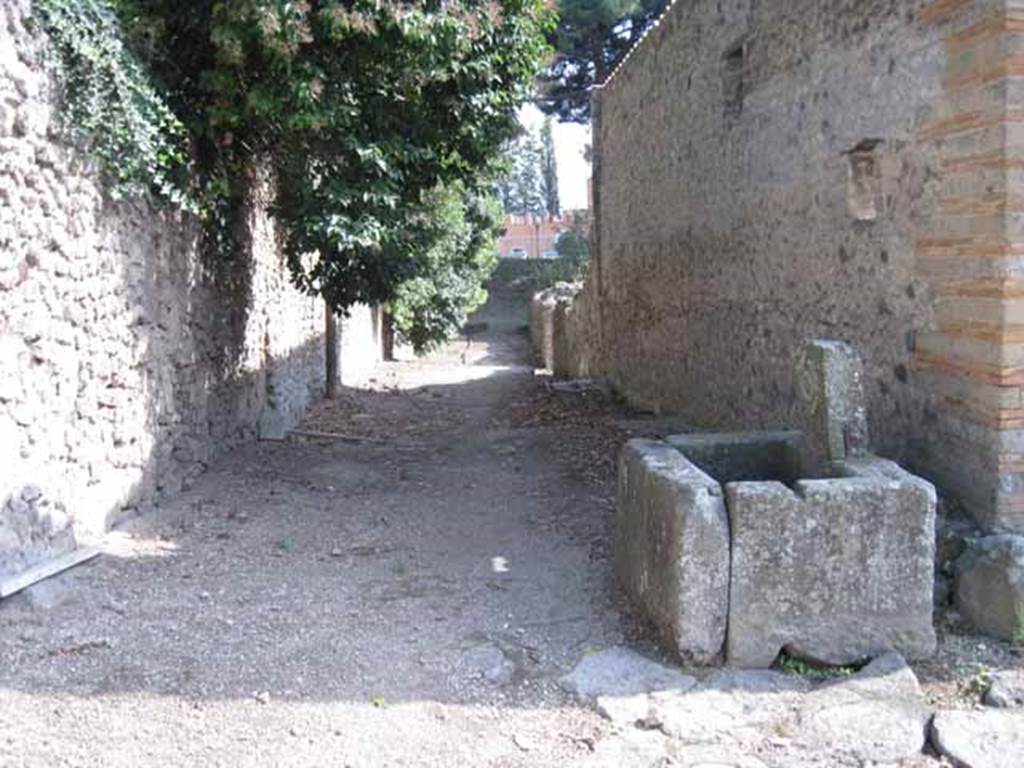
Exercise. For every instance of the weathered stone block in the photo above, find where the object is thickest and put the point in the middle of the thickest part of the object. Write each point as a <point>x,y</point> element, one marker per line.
<point>544,308</point>
<point>829,380</point>
<point>561,343</point>
<point>834,570</point>
<point>988,739</point>
<point>672,548</point>
<point>990,585</point>
<point>542,313</point>
<point>537,323</point>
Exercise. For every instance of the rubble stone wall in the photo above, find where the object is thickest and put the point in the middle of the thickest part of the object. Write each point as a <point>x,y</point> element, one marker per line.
<point>127,358</point>
<point>767,173</point>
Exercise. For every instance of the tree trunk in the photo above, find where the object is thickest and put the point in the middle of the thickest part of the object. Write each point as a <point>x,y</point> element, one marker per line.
<point>331,342</point>
<point>597,54</point>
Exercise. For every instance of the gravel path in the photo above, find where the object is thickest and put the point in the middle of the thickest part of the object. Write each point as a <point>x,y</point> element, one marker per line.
<point>406,595</point>
<point>408,598</point>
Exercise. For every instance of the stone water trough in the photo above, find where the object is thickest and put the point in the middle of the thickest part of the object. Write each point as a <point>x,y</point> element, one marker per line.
<point>742,546</point>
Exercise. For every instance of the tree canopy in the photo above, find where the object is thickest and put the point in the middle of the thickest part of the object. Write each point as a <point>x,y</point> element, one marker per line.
<point>591,37</point>
<point>529,183</point>
<point>549,170</point>
<point>366,111</point>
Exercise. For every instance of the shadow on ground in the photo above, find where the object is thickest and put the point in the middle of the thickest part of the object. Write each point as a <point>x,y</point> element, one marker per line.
<point>406,593</point>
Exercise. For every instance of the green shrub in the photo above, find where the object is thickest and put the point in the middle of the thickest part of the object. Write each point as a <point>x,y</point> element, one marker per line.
<point>432,306</point>
<point>368,114</point>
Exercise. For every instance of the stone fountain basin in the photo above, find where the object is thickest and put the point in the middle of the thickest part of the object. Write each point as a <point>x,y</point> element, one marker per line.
<point>729,547</point>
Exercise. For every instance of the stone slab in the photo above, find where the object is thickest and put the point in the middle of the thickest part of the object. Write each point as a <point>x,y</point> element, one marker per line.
<point>876,716</point>
<point>829,381</point>
<point>982,739</point>
<point>620,681</point>
<point>672,548</point>
<point>543,306</point>
<point>561,343</point>
<point>834,571</point>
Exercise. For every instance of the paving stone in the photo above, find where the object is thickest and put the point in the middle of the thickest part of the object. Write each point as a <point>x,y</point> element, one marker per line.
<point>877,715</point>
<point>619,682</point>
<point>630,749</point>
<point>702,756</point>
<point>980,739</point>
<point>731,708</point>
<point>755,681</point>
<point>488,662</point>
<point>721,718</point>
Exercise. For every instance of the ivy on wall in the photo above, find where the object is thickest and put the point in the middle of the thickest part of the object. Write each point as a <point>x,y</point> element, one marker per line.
<point>112,105</point>
<point>368,112</point>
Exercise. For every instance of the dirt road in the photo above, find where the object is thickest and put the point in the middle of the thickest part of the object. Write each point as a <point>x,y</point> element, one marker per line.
<point>406,598</point>
<point>410,594</point>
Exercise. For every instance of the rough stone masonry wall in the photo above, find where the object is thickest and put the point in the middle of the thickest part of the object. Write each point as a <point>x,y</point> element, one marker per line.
<point>771,172</point>
<point>126,360</point>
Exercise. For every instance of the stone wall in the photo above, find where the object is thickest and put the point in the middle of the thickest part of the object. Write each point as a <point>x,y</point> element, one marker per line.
<point>766,173</point>
<point>127,360</point>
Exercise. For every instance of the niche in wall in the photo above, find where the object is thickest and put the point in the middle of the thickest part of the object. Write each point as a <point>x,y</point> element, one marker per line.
<point>734,67</point>
<point>864,181</point>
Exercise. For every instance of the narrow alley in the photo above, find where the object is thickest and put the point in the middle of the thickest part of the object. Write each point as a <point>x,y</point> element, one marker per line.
<point>408,595</point>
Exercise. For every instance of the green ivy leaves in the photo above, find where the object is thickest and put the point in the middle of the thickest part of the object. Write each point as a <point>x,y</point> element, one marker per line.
<point>111,104</point>
<point>369,113</point>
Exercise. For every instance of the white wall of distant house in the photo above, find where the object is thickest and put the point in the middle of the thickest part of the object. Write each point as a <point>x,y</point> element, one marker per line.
<point>573,170</point>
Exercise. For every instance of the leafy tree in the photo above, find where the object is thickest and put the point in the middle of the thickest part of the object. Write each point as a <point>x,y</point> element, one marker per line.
<point>429,308</point>
<point>592,36</point>
<point>362,109</point>
<point>529,185</point>
<point>549,170</point>
<point>529,182</point>
<point>572,262</point>
<point>573,245</point>
<point>521,187</point>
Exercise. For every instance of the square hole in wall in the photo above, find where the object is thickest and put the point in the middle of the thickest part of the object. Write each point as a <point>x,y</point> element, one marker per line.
<point>864,184</point>
<point>734,71</point>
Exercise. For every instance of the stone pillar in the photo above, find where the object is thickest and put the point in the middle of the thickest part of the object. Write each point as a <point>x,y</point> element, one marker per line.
<point>970,250</point>
<point>830,385</point>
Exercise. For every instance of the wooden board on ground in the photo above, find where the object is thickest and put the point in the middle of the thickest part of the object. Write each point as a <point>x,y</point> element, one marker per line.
<point>45,570</point>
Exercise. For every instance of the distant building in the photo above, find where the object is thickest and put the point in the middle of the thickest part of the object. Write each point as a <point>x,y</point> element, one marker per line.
<point>531,237</point>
